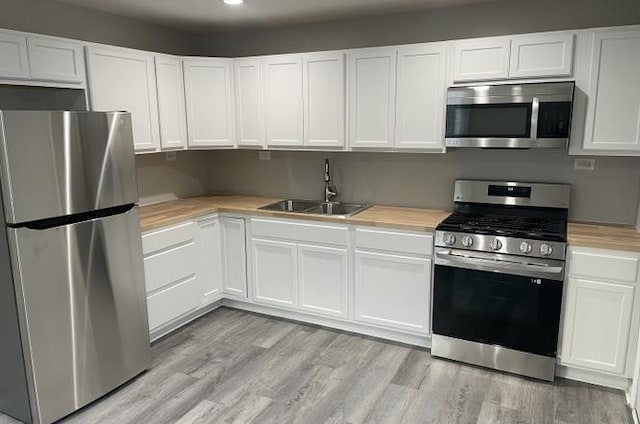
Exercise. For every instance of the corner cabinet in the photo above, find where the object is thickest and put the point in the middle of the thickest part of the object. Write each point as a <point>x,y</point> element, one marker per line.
<point>601,313</point>
<point>234,265</point>
<point>248,86</point>
<point>210,104</point>
<point>123,79</point>
<point>208,240</point>
<point>372,97</point>
<point>171,103</point>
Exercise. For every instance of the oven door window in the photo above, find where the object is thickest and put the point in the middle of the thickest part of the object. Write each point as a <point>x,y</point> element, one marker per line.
<point>516,312</point>
<point>496,120</point>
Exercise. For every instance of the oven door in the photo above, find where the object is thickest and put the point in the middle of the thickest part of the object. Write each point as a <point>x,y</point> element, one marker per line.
<point>498,300</point>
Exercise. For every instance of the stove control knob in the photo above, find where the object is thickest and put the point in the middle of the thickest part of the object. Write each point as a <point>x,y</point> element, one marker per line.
<point>449,239</point>
<point>495,244</point>
<point>546,249</point>
<point>467,241</point>
<point>525,247</point>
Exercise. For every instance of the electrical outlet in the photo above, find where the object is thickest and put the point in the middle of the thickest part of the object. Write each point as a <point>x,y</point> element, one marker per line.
<point>171,156</point>
<point>584,164</point>
<point>264,155</point>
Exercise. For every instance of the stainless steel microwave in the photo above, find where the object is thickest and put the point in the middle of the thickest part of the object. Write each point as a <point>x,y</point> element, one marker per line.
<point>518,116</point>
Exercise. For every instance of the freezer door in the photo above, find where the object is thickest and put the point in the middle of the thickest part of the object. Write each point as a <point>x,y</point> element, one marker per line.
<point>82,307</point>
<point>64,163</point>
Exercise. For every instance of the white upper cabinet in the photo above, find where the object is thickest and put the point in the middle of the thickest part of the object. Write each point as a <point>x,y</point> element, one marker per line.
<point>210,105</point>
<point>14,62</point>
<point>123,79</point>
<point>283,100</point>
<point>248,85</point>
<point>372,97</point>
<point>421,95</point>
<point>613,90</point>
<point>171,103</point>
<point>324,96</point>
<point>541,55</point>
<point>482,59</point>
<point>55,60</point>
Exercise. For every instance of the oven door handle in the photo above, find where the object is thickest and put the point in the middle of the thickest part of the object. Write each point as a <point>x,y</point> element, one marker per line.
<point>542,270</point>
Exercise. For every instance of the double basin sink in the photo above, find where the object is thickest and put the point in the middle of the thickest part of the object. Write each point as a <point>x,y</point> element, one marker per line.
<point>313,207</point>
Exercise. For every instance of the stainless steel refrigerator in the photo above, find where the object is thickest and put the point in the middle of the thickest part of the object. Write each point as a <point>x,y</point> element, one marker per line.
<point>73,315</point>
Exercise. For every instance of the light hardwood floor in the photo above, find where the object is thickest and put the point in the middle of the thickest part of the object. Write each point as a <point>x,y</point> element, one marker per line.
<point>237,367</point>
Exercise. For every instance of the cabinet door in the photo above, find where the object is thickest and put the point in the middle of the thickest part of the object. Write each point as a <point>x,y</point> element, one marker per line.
<point>234,257</point>
<point>248,83</point>
<point>209,273</point>
<point>13,56</point>
<point>55,60</point>
<point>421,97</point>
<point>323,277</point>
<point>275,272</point>
<point>481,60</point>
<point>543,55</point>
<point>393,291</point>
<point>283,100</point>
<point>171,103</point>
<point>596,325</point>
<point>125,80</point>
<point>210,115</point>
<point>372,97</point>
<point>324,85</point>
<point>613,108</point>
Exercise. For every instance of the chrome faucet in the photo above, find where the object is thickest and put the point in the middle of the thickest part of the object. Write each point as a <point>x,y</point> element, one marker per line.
<point>329,189</point>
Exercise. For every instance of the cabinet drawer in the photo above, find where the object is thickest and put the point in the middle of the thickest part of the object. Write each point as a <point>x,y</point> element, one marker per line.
<point>173,302</point>
<point>604,265</point>
<point>313,233</point>
<point>169,266</point>
<point>165,238</point>
<point>419,244</point>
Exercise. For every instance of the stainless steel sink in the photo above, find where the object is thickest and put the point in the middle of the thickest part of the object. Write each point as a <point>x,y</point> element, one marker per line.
<point>314,207</point>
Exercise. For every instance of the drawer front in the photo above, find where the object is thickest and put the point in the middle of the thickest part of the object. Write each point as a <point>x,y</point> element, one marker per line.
<point>312,233</point>
<point>604,265</point>
<point>167,237</point>
<point>169,266</point>
<point>418,244</point>
<point>172,302</point>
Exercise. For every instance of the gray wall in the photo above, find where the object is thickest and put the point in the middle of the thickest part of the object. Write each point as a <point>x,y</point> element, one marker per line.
<point>65,20</point>
<point>475,20</point>
<point>610,193</point>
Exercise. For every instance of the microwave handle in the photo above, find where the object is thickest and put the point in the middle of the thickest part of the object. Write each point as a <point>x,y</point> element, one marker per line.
<point>535,107</point>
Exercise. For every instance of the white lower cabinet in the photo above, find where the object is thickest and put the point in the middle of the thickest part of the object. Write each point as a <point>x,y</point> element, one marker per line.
<point>173,302</point>
<point>234,257</point>
<point>209,255</point>
<point>323,279</point>
<point>274,272</point>
<point>392,290</point>
<point>600,321</point>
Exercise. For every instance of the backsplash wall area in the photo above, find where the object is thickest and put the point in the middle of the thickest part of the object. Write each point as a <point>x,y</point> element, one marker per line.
<point>609,194</point>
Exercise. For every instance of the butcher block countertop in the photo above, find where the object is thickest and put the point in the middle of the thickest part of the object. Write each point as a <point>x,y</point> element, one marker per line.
<point>157,215</point>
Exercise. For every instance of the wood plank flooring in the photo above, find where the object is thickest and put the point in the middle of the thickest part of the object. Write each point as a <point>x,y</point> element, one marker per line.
<point>237,367</point>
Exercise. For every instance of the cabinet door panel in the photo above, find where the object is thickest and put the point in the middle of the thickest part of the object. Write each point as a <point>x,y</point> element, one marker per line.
<point>13,56</point>
<point>421,97</point>
<point>283,100</point>
<point>393,291</point>
<point>234,257</point>
<point>210,115</point>
<point>209,254</point>
<point>248,79</point>
<point>613,108</point>
<point>372,97</point>
<point>125,80</point>
<point>324,80</point>
<point>323,280</point>
<point>275,272</point>
<point>479,60</point>
<point>54,60</point>
<point>597,324</point>
<point>171,103</point>
<point>173,302</point>
<point>543,55</point>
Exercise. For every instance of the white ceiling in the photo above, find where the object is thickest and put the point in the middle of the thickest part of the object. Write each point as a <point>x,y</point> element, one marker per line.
<point>211,15</point>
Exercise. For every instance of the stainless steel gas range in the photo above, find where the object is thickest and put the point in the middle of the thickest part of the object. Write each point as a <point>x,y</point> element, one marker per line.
<point>498,280</point>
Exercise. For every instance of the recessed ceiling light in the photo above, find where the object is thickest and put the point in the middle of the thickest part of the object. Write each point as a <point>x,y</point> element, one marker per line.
<point>233,2</point>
